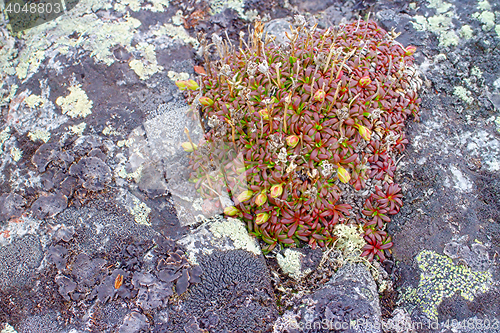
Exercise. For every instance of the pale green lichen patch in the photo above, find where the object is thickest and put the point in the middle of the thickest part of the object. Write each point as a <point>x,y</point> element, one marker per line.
<point>349,239</point>
<point>109,130</point>
<point>484,5</point>
<point>147,65</point>
<point>16,154</point>
<point>440,6</point>
<point>291,264</point>
<point>497,123</point>
<point>39,135</point>
<point>78,129</point>
<point>35,101</point>
<point>236,231</point>
<point>97,35</point>
<point>466,31</point>
<point>441,25</point>
<point>176,33</point>
<point>217,6</point>
<point>4,136</point>
<point>76,104</point>
<point>177,19</point>
<point>137,5</point>
<point>6,95</point>
<point>174,76</point>
<point>486,18</point>
<point>125,143</point>
<point>497,29</point>
<point>136,175</point>
<point>8,52</point>
<point>440,279</point>
<point>463,94</point>
<point>140,211</point>
<point>476,71</point>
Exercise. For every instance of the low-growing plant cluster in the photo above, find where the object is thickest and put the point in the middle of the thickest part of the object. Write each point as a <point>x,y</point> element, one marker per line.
<point>293,121</point>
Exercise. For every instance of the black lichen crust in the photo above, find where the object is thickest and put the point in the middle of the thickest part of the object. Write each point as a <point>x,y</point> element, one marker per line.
<point>234,295</point>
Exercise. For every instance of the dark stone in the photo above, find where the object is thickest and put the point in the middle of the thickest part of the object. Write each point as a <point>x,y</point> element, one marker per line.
<point>93,171</point>
<point>49,205</point>
<point>11,206</point>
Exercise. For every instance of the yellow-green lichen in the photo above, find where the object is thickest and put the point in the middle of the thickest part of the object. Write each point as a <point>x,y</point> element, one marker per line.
<point>440,279</point>
<point>440,6</point>
<point>291,263</point>
<point>466,31</point>
<point>76,104</point>
<point>497,29</point>
<point>236,231</point>
<point>497,123</point>
<point>176,33</point>
<point>109,130</point>
<point>463,94</point>
<point>476,71</point>
<point>39,135</point>
<point>174,76</point>
<point>95,34</point>
<point>217,6</point>
<point>148,65</point>
<point>125,143</point>
<point>136,175</point>
<point>441,24</point>
<point>8,52</point>
<point>78,129</point>
<point>137,5</point>
<point>35,101</point>
<point>486,18</point>
<point>141,211</point>
<point>16,153</point>
<point>484,5</point>
<point>4,136</point>
<point>11,92</point>
<point>177,19</point>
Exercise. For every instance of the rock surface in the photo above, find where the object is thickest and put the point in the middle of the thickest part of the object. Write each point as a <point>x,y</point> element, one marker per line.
<point>85,114</point>
<point>348,302</point>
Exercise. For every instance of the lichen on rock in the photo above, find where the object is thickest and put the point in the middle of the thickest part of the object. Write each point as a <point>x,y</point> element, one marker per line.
<point>76,104</point>
<point>441,278</point>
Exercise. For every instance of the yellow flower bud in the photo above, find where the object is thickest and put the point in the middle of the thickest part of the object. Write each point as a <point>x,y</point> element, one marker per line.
<point>410,50</point>
<point>264,114</point>
<point>276,190</point>
<point>292,140</point>
<point>364,81</point>
<point>245,195</point>
<point>364,132</point>
<point>206,101</point>
<point>261,218</point>
<point>192,85</point>
<point>231,211</point>
<point>343,175</point>
<point>261,199</point>
<point>187,146</point>
<point>319,95</point>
